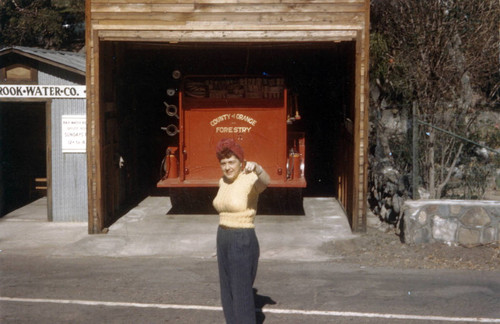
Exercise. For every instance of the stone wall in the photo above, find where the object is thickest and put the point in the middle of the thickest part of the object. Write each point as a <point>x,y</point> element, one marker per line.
<point>462,222</point>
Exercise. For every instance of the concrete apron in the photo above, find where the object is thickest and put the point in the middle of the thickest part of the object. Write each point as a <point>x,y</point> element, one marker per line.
<point>147,230</point>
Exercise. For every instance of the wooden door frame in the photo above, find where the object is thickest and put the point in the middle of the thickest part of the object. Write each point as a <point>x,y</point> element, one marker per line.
<point>95,128</point>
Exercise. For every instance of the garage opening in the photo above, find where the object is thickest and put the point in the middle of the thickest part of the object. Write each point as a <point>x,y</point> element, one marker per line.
<point>135,78</point>
<point>23,154</point>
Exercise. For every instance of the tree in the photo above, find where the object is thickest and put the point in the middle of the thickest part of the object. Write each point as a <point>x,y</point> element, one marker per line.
<point>441,56</point>
<point>39,23</point>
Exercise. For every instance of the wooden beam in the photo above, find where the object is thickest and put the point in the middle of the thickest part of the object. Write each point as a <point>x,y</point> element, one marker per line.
<point>281,19</point>
<point>94,160</point>
<point>365,105</point>
<point>229,8</point>
<point>154,26</point>
<point>229,36</point>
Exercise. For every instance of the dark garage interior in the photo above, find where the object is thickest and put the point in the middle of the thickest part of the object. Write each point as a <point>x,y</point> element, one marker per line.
<point>23,153</point>
<point>135,77</point>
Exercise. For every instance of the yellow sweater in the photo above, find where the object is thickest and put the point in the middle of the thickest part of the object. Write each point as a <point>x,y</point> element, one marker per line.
<point>236,202</point>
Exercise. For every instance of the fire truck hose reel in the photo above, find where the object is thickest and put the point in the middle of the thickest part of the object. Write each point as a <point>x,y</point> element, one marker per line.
<point>171,130</point>
<point>176,74</point>
<point>171,110</point>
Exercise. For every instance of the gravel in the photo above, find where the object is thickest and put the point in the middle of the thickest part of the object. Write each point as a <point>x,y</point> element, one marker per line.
<point>382,247</point>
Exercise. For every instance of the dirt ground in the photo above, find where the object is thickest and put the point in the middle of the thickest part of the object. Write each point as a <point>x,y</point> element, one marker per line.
<point>382,247</point>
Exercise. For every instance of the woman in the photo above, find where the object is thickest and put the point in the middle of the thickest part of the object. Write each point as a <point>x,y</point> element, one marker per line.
<point>237,245</point>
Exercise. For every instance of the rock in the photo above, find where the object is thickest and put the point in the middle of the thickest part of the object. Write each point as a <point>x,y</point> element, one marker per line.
<point>468,237</point>
<point>444,229</point>
<point>475,217</point>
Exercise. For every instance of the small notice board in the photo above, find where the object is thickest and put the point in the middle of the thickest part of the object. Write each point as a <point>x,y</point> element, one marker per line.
<point>74,133</point>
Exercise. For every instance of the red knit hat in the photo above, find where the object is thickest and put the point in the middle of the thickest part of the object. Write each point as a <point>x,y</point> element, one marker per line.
<point>230,144</point>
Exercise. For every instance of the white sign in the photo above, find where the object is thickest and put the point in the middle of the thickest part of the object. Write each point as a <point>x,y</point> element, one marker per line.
<point>42,91</point>
<point>74,133</point>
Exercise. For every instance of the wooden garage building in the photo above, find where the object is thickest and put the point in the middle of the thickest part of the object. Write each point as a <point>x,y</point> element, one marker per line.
<point>320,46</point>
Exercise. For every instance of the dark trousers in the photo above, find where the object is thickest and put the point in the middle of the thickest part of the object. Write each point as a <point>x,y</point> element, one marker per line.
<point>238,257</point>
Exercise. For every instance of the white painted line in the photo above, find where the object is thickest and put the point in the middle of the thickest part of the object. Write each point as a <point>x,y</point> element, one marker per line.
<point>267,310</point>
<point>387,316</point>
<point>111,304</point>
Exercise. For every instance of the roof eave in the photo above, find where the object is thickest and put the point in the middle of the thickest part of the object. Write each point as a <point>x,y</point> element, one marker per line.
<point>42,59</point>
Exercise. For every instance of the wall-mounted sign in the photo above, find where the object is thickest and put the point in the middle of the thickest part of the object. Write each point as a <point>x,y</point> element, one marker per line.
<point>74,133</point>
<point>42,91</point>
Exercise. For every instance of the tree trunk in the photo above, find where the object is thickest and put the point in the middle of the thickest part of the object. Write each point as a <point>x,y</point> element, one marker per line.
<point>432,166</point>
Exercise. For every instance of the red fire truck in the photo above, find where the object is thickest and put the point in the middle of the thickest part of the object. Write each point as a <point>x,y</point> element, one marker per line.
<point>257,111</point>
